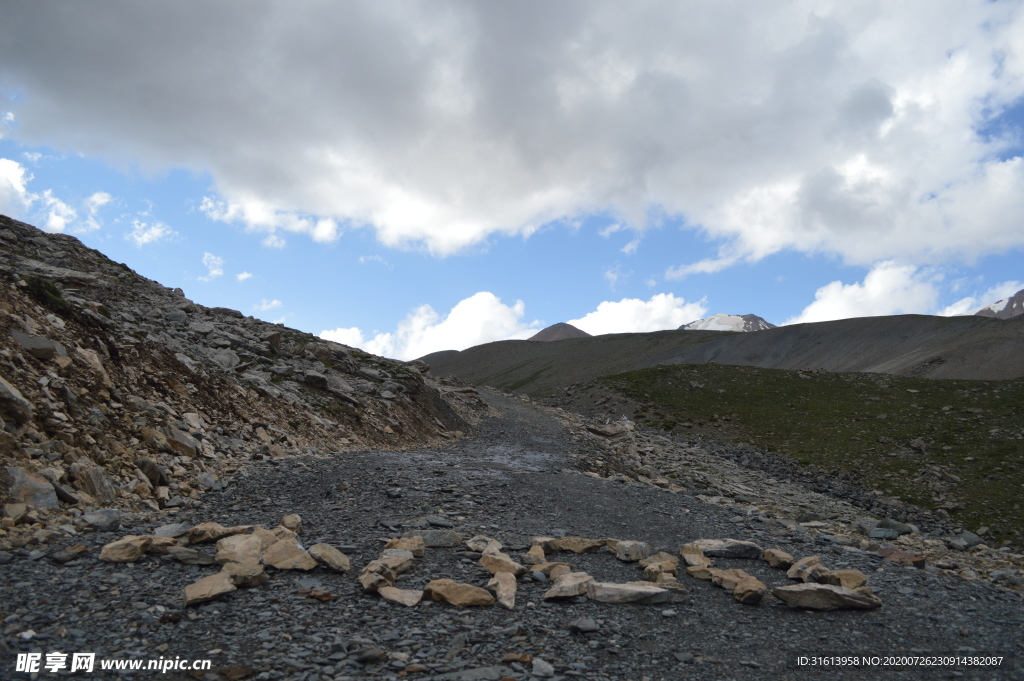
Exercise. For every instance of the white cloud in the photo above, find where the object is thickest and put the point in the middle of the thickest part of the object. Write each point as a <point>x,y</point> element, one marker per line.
<point>214,266</point>
<point>969,304</point>
<point>889,288</point>
<point>364,259</point>
<point>58,213</point>
<point>265,305</point>
<point>48,211</point>
<point>242,276</point>
<point>613,275</point>
<point>481,318</point>
<point>144,233</point>
<point>274,241</point>
<point>15,199</point>
<point>629,315</point>
<point>630,248</point>
<point>844,128</point>
<point>92,205</point>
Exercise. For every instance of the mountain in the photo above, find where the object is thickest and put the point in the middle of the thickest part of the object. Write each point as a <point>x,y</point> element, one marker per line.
<point>557,332</point>
<point>116,390</point>
<point>1003,309</point>
<point>729,322</point>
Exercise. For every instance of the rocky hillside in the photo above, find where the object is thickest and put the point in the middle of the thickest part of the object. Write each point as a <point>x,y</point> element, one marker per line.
<point>559,331</point>
<point>729,322</point>
<point>1003,309</point>
<point>116,390</point>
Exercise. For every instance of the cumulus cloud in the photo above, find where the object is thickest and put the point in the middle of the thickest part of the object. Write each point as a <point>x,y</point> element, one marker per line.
<point>481,318</point>
<point>92,206</point>
<point>265,305</point>
<point>51,213</point>
<point>856,129</point>
<point>662,311</point>
<point>889,288</point>
<point>242,276</point>
<point>970,304</point>
<point>214,267</point>
<point>144,233</point>
<point>274,241</point>
<point>15,199</point>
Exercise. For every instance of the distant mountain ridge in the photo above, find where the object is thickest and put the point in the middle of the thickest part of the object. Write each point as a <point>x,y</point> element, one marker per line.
<point>560,331</point>
<point>1003,309</point>
<point>729,322</point>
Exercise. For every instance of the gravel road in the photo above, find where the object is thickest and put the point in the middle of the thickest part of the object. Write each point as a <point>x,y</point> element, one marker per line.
<point>509,481</point>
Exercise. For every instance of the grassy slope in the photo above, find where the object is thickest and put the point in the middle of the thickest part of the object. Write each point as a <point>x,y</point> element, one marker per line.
<point>868,426</point>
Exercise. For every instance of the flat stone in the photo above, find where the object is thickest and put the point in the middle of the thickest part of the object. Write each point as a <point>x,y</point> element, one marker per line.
<point>161,546</point>
<point>209,588</point>
<point>325,554</point>
<point>104,519</point>
<point>504,586</point>
<point>897,555</point>
<point>173,530</point>
<point>579,544</point>
<point>406,597</point>
<point>660,557</point>
<point>584,625</point>
<point>629,592</point>
<point>849,578</point>
<point>376,575</point>
<point>501,562</point>
<point>693,555</point>
<point>397,560</point>
<point>482,544</point>
<point>897,526</point>
<point>126,549</point>
<point>883,533</point>
<point>437,538</point>
<point>778,558</point>
<point>700,572</point>
<point>246,574</point>
<point>32,490</point>
<point>95,482</point>
<point>191,556</point>
<point>728,579</point>
<point>800,568</point>
<point>181,442</point>
<point>288,555</point>
<point>211,532</point>
<point>14,404</point>
<point>546,568</point>
<point>568,585</point>
<point>535,556</point>
<point>459,595</point>
<point>749,590</point>
<point>826,597</point>
<point>728,548</point>
<point>39,347</point>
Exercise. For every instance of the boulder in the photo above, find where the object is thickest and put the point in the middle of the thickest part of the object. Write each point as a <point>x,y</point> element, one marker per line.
<point>459,595</point>
<point>749,590</point>
<point>286,554</point>
<point>181,442</point>
<point>632,551</point>
<point>95,482</point>
<point>266,537</point>
<point>535,556</point>
<point>14,404</point>
<point>413,545</point>
<point>504,586</point>
<point>239,548</point>
<point>126,549</point>
<point>153,471</point>
<point>407,597</point>
<point>568,585</point>
<point>293,521</point>
<point>39,347</point>
<point>325,554</point>
<point>728,548</point>
<point>778,558</point>
<point>32,490</point>
<point>826,597</point>
<point>377,575</point>
<point>209,588</point>
<point>246,574</point>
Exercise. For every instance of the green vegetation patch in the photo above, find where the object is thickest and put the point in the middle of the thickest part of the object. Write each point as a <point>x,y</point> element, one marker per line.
<point>953,445</point>
<point>48,294</point>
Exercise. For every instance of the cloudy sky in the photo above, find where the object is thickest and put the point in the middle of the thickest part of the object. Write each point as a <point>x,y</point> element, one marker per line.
<point>417,176</point>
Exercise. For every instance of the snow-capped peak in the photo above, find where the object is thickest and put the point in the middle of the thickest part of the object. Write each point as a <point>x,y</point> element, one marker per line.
<point>729,322</point>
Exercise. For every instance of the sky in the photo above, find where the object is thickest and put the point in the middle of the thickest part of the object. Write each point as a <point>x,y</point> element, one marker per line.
<point>408,177</point>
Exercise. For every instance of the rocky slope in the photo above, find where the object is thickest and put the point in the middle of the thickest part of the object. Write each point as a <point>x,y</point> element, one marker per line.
<point>729,322</point>
<point>117,391</point>
<point>1003,309</point>
<point>559,331</point>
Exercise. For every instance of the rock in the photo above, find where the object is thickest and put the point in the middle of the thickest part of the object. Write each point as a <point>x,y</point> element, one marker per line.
<point>315,379</point>
<point>286,554</point>
<point>897,526</point>
<point>630,592</point>
<point>694,556</point>
<point>459,595</point>
<point>161,546</point>
<point>191,556</point>
<point>547,568</point>
<point>95,482</point>
<point>39,347</point>
<point>660,557</point>
<point>126,549</point>
<point>206,480</point>
<point>246,574</point>
<point>728,548</point>
<point>397,560</point>
<point>849,578</point>
<point>104,519</point>
<point>181,442</point>
<point>542,669</point>
<point>69,554</point>
<point>535,556</point>
<point>92,360</point>
<point>778,558</point>
<point>749,590</point>
<point>578,544</point>
<point>568,585</point>
<point>239,548</point>
<point>700,571</point>
<point>15,511</point>
<point>325,554</point>
<point>154,472</point>
<point>504,586</point>
<point>211,532</point>
<point>965,540</point>
<point>482,544</point>
<point>800,568</point>
<point>897,555</point>
<point>226,358</point>
<point>173,530</point>
<point>267,538</point>
<point>728,579</point>
<point>32,490</point>
<point>293,521</point>
<point>632,551</point>
<point>437,538</point>
<point>282,532</point>
<point>501,562</point>
<point>883,533</point>
<point>209,588</point>
<point>654,570</point>
<point>376,575</point>
<point>583,625</point>
<point>407,597</point>
<point>825,597</point>
<point>13,404</point>
<point>413,545</point>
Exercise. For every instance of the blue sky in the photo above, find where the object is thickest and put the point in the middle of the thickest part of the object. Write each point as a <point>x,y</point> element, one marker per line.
<point>417,177</point>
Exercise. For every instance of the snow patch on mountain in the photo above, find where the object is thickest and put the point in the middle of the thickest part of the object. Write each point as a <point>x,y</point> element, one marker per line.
<point>1002,309</point>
